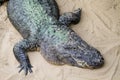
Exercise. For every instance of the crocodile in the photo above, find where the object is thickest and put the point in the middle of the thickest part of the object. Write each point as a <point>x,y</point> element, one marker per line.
<point>41,26</point>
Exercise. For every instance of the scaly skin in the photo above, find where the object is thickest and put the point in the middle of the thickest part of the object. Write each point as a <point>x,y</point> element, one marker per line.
<point>39,23</point>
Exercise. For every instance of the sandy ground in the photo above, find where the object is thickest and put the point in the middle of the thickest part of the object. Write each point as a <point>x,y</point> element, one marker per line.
<point>99,26</point>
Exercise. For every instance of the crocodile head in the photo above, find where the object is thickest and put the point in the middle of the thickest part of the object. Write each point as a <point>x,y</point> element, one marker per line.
<point>88,59</point>
<point>82,55</point>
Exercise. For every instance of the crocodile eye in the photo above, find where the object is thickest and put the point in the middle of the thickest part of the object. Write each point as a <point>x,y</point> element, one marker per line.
<point>74,48</point>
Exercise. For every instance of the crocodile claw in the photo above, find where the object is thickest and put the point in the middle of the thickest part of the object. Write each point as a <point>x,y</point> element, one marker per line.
<point>26,67</point>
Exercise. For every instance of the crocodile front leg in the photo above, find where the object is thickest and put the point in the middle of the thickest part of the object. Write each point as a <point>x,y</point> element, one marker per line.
<point>20,50</point>
<point>70,17</point>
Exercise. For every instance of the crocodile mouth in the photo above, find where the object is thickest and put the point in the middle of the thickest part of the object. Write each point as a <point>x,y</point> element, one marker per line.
<point>84,64</point>
<point>81,63</point>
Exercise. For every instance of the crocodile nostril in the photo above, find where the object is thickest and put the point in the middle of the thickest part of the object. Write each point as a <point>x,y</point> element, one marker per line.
<point>102,58</point>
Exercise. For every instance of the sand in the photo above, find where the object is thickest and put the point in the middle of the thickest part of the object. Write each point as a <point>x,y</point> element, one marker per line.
<point>99,26</point>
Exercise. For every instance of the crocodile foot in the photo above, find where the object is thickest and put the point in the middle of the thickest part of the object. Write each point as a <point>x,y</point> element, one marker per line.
<point>26,67</point>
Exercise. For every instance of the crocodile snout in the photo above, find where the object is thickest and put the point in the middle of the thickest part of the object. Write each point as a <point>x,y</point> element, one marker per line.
<point>96,61</point>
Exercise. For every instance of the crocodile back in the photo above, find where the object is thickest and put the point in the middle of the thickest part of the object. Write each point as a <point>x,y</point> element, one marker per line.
<point>29,16</point>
